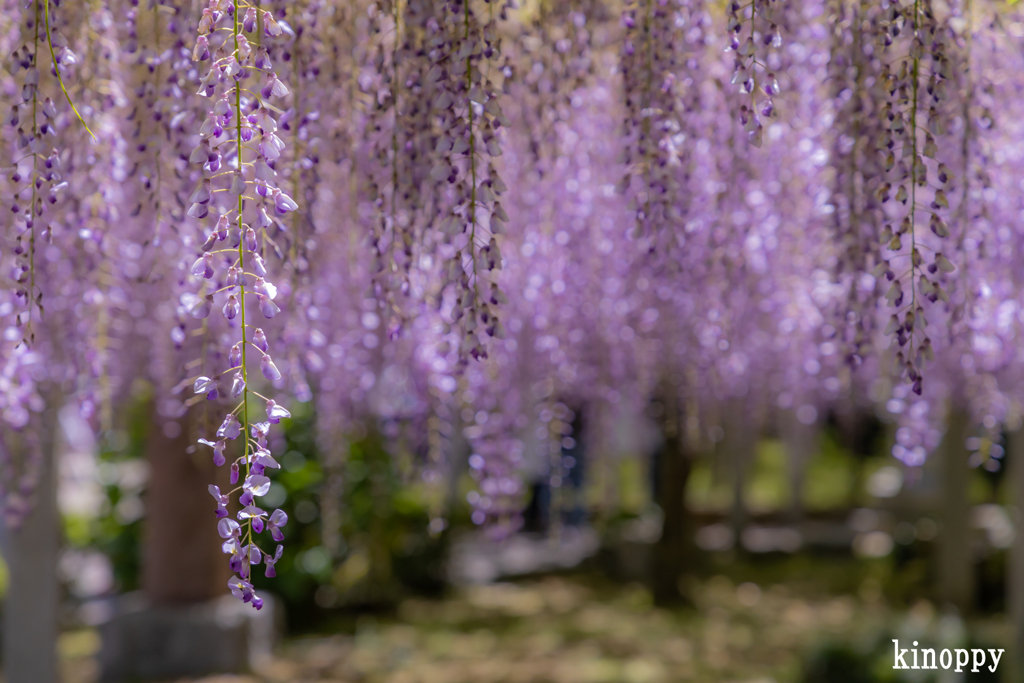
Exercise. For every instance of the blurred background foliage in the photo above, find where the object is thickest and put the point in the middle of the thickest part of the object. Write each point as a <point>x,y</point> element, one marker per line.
<point>366,561</point>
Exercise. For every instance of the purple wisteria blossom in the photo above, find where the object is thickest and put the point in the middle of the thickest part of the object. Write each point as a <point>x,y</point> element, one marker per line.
<point>500,225</point>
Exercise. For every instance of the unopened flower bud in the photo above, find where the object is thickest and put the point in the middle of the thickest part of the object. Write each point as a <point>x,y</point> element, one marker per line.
<point>267,307</point>
<point>250,239</point>
<point>202,49</point>
<point>259,339</point>
<point>235,356</point>
<point>262,219</point>
<point>283,203</point>
<point>268,369</point>
<point>270,26</point>
<point>244,49</point>
<point>258,267</point>
<point>231,307</point>
<point>237,385</point>
<point>203,266</point>
<point>203,385</point>
<point>249,23</point>
<point>267,288</point>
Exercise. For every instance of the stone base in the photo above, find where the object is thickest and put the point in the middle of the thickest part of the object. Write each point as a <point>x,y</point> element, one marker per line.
<point>146,642</point>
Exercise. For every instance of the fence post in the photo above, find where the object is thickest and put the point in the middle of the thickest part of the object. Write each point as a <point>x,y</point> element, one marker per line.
<point>1015,570</point>
<point>30,608</point>
<point>956,556</point>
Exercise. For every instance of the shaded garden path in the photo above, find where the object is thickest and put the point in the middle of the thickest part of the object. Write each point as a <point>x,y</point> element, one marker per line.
<point>577,630</point>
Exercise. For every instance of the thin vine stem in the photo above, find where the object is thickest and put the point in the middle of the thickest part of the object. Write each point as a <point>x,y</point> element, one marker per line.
<point>56,70</point>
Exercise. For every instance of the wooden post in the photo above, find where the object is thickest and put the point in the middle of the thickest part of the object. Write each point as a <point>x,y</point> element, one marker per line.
<point>956,564</point>
<point>801,444</point>
<point>1015,571</point>
<point>30,609</point>
<point>738,448</point>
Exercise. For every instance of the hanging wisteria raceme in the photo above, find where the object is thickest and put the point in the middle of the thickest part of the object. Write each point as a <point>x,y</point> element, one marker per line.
<point>976,368</point>
<point>466,67</point>
<point>755,37</point>
<point>858,94</point>
<point>37,245</point>
<point>238,148</point>
<point>468,225</point>
<point>37,171</point>
<point>558,60</point>
<point>653,58</point>
<point>918,113</point>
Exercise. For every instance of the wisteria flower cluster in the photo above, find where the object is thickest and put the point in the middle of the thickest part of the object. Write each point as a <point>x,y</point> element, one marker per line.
<point>775,207</point>
<point>755,37</point>
<point>917,115</point>
<point>238,147</point>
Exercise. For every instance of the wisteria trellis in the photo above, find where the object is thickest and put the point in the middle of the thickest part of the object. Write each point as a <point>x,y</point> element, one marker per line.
<point>471,215</point>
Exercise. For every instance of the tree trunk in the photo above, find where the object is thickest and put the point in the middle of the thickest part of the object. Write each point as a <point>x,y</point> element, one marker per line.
<point>182,561</point>
<point>1015,573</point>
<point>956,568</point>
<point>30,610</point>
<point>674,551</point>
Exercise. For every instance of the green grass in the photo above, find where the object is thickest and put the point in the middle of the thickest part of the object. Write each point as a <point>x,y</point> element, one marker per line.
<point>830,481</point>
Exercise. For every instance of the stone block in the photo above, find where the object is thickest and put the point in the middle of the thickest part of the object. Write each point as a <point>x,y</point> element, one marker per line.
<point>142,641</point>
